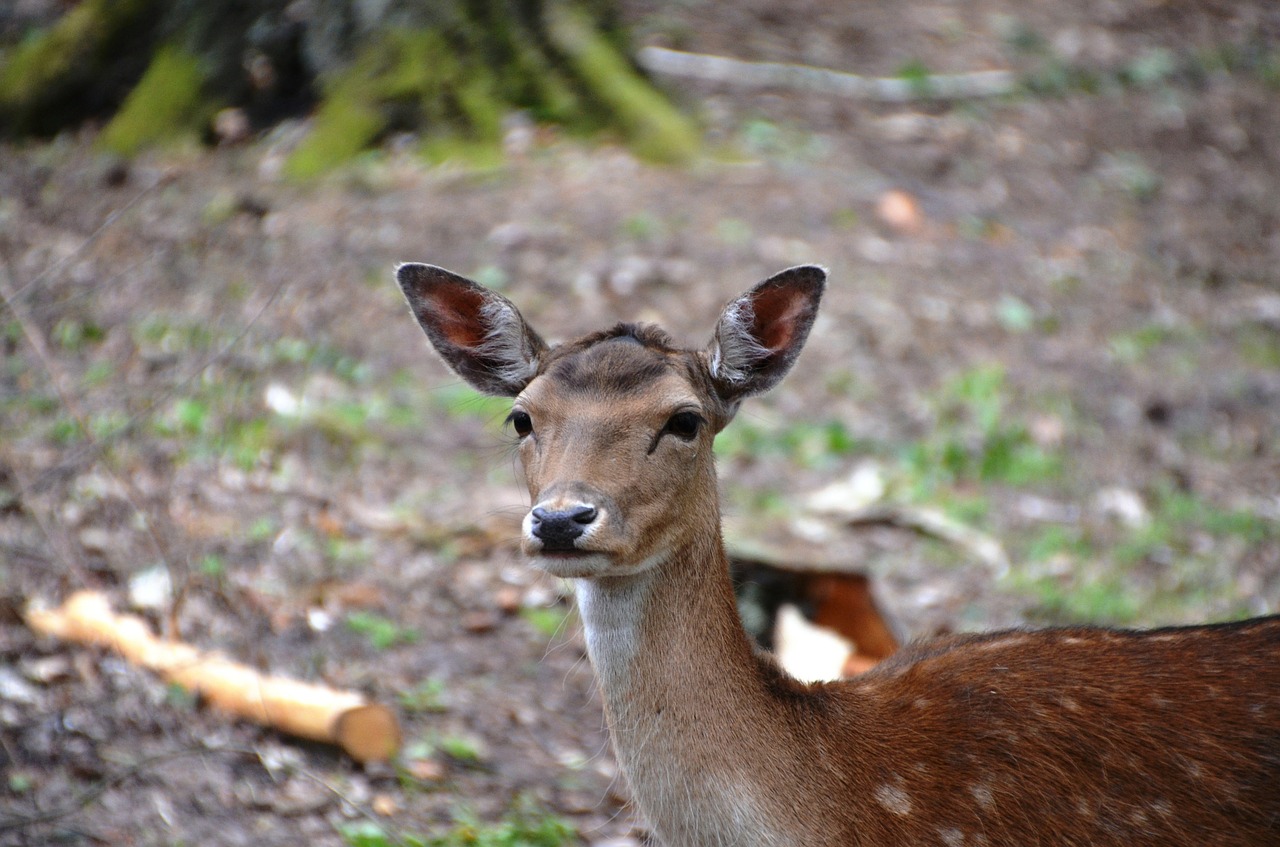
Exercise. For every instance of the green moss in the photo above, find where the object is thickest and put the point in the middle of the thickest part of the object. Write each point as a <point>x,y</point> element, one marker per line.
<point>167,105</point>
<point>478,157</point>
<point>410,77</point>
<point>459,82</point>
<point>43,69</point>
<point>346,123</point>
<point>654,128</point>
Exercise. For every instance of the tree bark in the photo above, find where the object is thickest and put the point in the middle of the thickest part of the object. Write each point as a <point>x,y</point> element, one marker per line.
<point>154,70</point>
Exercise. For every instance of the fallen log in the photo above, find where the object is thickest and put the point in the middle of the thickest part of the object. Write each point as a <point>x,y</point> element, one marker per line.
<point>366,731</point>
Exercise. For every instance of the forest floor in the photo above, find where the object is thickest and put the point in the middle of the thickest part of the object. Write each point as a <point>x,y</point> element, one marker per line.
<point>1053,317</point>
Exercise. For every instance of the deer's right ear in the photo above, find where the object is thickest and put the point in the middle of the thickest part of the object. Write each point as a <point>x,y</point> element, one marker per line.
<point>479,333</point>
<point>761,332</point>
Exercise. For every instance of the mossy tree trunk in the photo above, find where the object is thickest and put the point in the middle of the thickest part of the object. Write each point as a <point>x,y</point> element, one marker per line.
<point>452,69</point>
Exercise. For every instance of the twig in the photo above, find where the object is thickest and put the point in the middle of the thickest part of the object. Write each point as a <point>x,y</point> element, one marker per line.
<point>164,179</point>
<point>157,525</point>
<point>91,794</point>
<point>755,75</point>
<point>935,524</point>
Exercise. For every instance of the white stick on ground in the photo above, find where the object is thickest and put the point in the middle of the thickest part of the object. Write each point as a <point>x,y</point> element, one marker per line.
<point>754,75</point>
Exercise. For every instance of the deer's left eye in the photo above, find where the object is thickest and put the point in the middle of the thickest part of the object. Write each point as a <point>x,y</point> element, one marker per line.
<point>684,425</point>
<point>521,422</point>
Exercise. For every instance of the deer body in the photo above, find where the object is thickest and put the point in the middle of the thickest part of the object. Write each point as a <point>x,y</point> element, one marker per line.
<point>1055,737</point>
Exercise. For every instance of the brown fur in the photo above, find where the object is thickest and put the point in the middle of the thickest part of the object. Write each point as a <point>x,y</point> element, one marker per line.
<point>1056,737</point>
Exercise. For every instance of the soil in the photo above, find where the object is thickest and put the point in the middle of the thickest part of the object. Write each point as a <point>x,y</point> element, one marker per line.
<point>271,433</point>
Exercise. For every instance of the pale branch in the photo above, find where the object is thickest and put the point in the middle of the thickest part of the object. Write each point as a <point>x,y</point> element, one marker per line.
<point>366,730</point>
<point>738,73</point>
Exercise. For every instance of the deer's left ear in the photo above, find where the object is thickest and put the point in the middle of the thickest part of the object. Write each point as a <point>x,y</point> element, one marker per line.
<point>760,333</point>
<point>479,333</point>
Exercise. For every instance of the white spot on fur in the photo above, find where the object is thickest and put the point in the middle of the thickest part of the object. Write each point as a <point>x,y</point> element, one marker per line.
<point>951,837</point>
<point>894,798</point>
<point>1069,704</point>
<point>1004,643</point>
<point>984,795</point>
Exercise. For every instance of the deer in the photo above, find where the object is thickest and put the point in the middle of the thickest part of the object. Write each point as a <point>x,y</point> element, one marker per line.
<point>1059,736</point>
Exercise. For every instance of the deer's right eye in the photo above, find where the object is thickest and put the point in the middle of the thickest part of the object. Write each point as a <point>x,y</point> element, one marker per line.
<point>521,422</point>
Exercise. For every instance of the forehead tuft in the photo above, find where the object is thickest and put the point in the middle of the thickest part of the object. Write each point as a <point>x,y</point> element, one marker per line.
<point>621,360</point>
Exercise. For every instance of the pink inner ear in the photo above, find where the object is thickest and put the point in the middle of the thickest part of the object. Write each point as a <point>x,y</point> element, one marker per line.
<point>776,312</point>
<point>457,311</point>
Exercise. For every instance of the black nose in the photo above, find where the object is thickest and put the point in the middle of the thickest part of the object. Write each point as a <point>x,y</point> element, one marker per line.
<point>558,529</point>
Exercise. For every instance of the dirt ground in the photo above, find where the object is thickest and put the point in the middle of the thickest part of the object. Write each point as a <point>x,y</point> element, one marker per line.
<point>1053,317</point>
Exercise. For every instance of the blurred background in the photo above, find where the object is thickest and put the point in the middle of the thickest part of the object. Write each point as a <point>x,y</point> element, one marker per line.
<point>1044,388</point>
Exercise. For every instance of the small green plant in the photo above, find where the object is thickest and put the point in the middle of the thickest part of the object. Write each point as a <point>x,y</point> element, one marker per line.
<point>547,621</point>
<point>427,696</point>
<point>461,748</point>
<point>1178,516</point>
<point>734,232</point>
<point>491,276</point>
<point>74,335</point>
<point>21,783</point>
<point>643,226</point>
<point>917,76</point>
<point>180,698</point>
<point>1260,346</point>
<point>461,401</point>
<point>976,440</point>
<point>98,374</point>
<point>1132,174</point>
<point>525,825</point>
<point>1014,314</point>
<point>213,566</point>
<point>382,632</point>
<point>1153,66</point>
<point>367,833</point>
<point>1076,600</point>
<point>807,443</point>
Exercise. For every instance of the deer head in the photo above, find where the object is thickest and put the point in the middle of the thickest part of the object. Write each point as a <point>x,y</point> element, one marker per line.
<point>616,427</point>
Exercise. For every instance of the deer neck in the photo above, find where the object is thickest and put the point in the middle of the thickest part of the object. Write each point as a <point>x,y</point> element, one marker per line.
<point>692,720</point>
<point>649,633</point>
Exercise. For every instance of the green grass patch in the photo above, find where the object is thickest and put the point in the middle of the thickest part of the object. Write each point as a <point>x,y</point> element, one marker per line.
<point>810,444</point>
<point>1108,601</point>
<point>427,696</point>
<point>462,402</point>
<point>976,440</point>
<point>526,825</point>
<point>547,621</point>
<point>1176,517</point>
<point>1260,346</point>
<point>382,632</point>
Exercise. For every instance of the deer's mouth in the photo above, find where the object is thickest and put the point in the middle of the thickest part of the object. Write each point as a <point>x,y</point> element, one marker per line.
<point>570,564</point>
